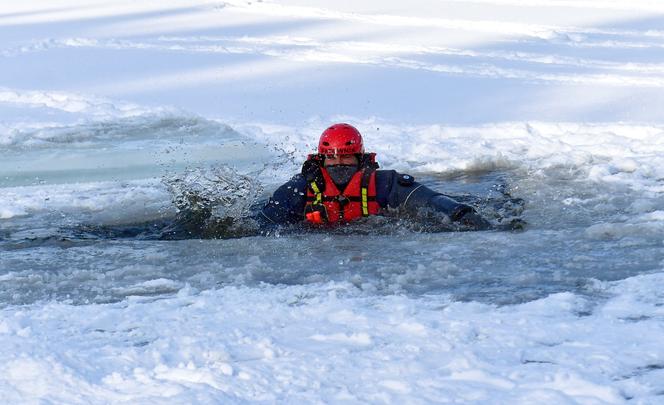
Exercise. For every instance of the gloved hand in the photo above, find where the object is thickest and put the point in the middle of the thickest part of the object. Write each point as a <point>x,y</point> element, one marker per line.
<point>312,172</point>
<point>474,221</point>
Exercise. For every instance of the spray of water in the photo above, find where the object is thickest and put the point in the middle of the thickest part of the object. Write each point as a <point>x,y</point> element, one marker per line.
<point>213,202</point>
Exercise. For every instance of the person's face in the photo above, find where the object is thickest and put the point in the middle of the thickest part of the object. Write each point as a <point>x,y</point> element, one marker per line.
<point>333,160</point>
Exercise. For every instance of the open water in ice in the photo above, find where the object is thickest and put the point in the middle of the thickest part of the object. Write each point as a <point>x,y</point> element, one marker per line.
<point>94,240</point>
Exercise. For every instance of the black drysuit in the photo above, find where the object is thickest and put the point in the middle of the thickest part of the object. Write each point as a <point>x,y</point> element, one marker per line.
<point>396,193</point>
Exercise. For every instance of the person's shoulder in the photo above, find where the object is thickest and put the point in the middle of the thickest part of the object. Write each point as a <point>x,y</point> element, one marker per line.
<point>392,187</point>
<point>392,176</point>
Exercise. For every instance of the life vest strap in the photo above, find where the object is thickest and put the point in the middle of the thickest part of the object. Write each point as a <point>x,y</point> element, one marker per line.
<point>364,190</point>
<point>318,196</point>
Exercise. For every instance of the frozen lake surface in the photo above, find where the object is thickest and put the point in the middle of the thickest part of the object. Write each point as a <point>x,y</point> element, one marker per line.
<point>104,108</point>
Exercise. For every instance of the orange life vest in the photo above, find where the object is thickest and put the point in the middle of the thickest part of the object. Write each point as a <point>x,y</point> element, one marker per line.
<point>327,204</point>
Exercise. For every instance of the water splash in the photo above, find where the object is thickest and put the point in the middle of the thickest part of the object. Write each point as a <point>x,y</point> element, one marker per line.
<point>214,202</point>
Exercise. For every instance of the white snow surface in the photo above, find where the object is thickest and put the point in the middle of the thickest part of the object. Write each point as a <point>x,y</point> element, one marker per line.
<point>98,100</point>
<point>332,344</point>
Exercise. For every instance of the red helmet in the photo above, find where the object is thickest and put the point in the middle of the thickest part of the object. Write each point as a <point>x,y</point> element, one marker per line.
<point>340,139</point>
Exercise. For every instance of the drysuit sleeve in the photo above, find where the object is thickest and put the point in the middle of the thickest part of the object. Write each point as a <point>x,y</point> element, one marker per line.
<point>286,206</point>
<point>410,197</point>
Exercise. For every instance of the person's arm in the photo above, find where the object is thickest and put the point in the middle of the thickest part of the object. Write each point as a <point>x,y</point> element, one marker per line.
<point>411,197</point>
<point>286,206</point>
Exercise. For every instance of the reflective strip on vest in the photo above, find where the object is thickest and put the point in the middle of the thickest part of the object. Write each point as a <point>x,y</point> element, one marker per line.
<point>317,193</point>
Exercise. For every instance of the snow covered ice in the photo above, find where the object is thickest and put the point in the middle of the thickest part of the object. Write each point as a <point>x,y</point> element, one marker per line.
<point>106,108</point>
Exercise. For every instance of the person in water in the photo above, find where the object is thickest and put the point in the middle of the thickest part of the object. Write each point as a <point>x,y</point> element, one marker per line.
<point>341,184</point>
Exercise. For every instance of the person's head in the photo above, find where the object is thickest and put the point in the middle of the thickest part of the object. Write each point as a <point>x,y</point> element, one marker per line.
<point>342,146</point>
